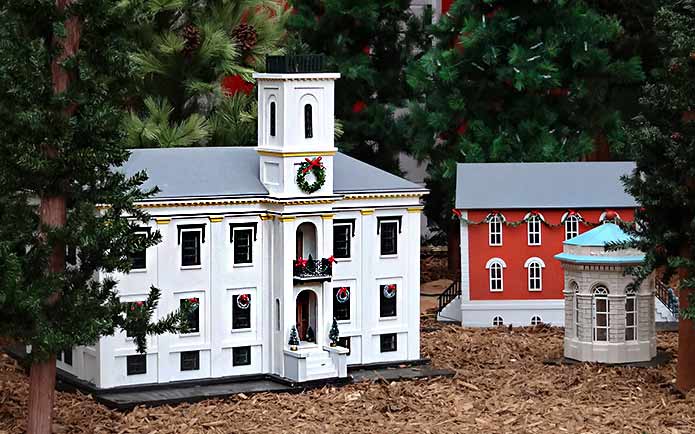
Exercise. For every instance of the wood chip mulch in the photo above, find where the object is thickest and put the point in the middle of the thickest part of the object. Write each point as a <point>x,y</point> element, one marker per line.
<point>501,386</point>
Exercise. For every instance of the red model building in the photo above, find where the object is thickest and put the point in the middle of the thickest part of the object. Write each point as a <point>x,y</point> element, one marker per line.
<point>514,219</point>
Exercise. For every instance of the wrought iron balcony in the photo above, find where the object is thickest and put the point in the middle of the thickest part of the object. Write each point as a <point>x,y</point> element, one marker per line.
<point>312,270</point>
<point>309,63</point>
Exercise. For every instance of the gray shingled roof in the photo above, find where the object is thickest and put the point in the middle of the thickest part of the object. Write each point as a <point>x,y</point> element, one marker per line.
<point>234,171</point>
<point>542,185</point>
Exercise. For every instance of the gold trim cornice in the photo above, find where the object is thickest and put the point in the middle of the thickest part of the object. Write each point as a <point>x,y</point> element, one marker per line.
<point>265,217</point>
<point>286,219</point>
<point>382,196</point>
<point>295,154</point>
<point>367,211</point>
<point>215,219</point>
<point>327,216</point>
<point>415,210</point>
<point>163,221</point>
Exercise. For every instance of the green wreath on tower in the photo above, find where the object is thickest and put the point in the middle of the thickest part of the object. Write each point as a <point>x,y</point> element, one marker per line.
<point>315,167</point>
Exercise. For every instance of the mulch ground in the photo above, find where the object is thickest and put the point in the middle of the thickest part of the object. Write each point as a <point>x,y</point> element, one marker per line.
<point>501,386</point>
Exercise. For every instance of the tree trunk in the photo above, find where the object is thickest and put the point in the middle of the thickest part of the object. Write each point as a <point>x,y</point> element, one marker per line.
<point>685,369</point>
<point>454,249</point>
<point>42,380</point>
<point>52,214</point>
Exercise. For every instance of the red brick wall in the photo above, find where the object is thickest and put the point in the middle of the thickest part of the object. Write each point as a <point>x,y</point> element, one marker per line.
<point>515,250</point>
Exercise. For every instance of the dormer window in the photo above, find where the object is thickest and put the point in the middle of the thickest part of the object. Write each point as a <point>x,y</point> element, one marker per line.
<point>272,119</point>
<point>308,126</point>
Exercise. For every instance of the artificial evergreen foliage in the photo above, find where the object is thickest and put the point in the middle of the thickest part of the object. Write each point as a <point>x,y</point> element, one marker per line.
<point>190,51</point>
<point>334,333</point>
<point>294,337</point>
<point>368,42</point>
<point>513,81</point>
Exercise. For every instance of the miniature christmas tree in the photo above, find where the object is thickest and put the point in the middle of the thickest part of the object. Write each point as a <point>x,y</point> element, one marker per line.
<point>664,182</point>
<point>196,64</point>
<point>513,81</point>
<point>294,338</point>
<point>334,333</point>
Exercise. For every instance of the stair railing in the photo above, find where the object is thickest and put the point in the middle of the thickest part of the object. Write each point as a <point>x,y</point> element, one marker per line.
<point>668,296</point>
<point>449,294</point>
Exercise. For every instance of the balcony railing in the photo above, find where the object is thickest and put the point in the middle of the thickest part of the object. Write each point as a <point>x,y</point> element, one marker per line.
<point>668,296</point>
<point>312,270</point>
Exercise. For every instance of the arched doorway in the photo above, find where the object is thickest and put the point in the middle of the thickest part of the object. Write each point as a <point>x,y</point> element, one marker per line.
<point>306,240</point>
<point>307,316</point>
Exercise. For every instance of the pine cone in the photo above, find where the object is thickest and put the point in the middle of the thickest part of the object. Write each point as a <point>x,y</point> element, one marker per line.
<point>245,36</point>
<point>192,37</point>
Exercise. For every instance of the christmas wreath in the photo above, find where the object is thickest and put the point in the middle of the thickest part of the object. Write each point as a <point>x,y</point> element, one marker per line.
<point>243,301</point>
<point>315,167</point>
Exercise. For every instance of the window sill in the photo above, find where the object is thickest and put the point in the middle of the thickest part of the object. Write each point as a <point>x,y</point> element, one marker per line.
<point>137,270</point>
<point>189,335</point>
<point>535,290</point>
<point>535,245</point>
<point>344,321</point>
<point>343,259</point>
<point>497,290</point>
<point>243,265</point>
<point>495,245</point>
<point>246,330</point>
<point>388,318</point>
<point>389,256</point>
<point>191,267</point>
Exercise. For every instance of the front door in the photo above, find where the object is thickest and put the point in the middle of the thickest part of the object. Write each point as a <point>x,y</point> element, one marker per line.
<point>306,316</point>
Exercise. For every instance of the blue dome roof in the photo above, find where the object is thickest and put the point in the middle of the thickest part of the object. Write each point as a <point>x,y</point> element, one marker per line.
<point>600,236</point>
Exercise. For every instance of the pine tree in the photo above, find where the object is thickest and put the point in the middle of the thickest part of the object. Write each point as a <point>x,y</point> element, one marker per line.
<point>663,139</point>
<point>62,78</point>
<point>196,63</point>
<point>294,337</point>
<point>369,42</point>
<point>334,333</point>
<point>512,81</point>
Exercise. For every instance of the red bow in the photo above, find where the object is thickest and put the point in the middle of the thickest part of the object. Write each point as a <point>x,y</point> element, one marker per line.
<point>193,300</point>
<point>301,262</point>
<point>392,287</point>
<point>342,290</point>
<point>139,303</point>
<point>244,298</point>
<point>332,260</point>
<point>316,162</point>
<point>571,212</point>
<point>457,212</point>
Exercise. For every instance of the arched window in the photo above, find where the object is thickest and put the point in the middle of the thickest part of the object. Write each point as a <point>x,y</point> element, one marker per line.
<point>630,315</point>
<point>536,320</point>
<point>574,287</point>
<point>535,273</point>
<point>494,225</point>
<point>495,267</point>
<point>601,314</point>
<point>308,122</point>
<point>497,321</point>
<point>272,119</point>
<point>533,226</point>
<point>571,227</point>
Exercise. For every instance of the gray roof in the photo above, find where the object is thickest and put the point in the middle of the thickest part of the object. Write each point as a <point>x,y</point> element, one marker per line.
<point>542,185</point>
<point>234,171</point>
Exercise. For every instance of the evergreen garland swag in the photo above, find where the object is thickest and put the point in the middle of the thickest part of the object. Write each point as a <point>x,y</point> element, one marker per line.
<point>611,216</point>
<point>316,167</point>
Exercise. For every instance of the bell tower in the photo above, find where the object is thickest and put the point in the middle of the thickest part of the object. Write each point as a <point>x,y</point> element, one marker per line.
<point>296,126</point>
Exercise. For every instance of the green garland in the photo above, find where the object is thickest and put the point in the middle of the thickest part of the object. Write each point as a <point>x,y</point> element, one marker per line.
<point>514,224</point>
<point>315,167</point>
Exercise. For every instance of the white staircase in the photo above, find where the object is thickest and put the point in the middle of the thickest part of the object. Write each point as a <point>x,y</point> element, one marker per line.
<point>316,363</point>
<point>319,365</point>
<point>663,314</point>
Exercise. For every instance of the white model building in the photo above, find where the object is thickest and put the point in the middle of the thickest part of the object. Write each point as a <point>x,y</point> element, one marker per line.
<point>605,319</point>
<point>258,255</point>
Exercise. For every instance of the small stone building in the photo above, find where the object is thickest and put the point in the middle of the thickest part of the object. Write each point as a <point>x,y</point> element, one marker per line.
<point>605,319</point>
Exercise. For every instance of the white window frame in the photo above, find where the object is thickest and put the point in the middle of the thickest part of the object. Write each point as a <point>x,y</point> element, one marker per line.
<point>200,249</point>
<point>533,227</point>
<point>571,226</point>
<point>234,245</point>
<point>396,240</point>
<point>494,228</point>
<point>496,323</point>
<point>601,291</point>
<point>532,264</point>
<point>349,240</point>
<point>492,265</point>
<point>631,295</point>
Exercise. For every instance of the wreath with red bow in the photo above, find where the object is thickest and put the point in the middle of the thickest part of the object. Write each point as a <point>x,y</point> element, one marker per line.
<point>315,167</point>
